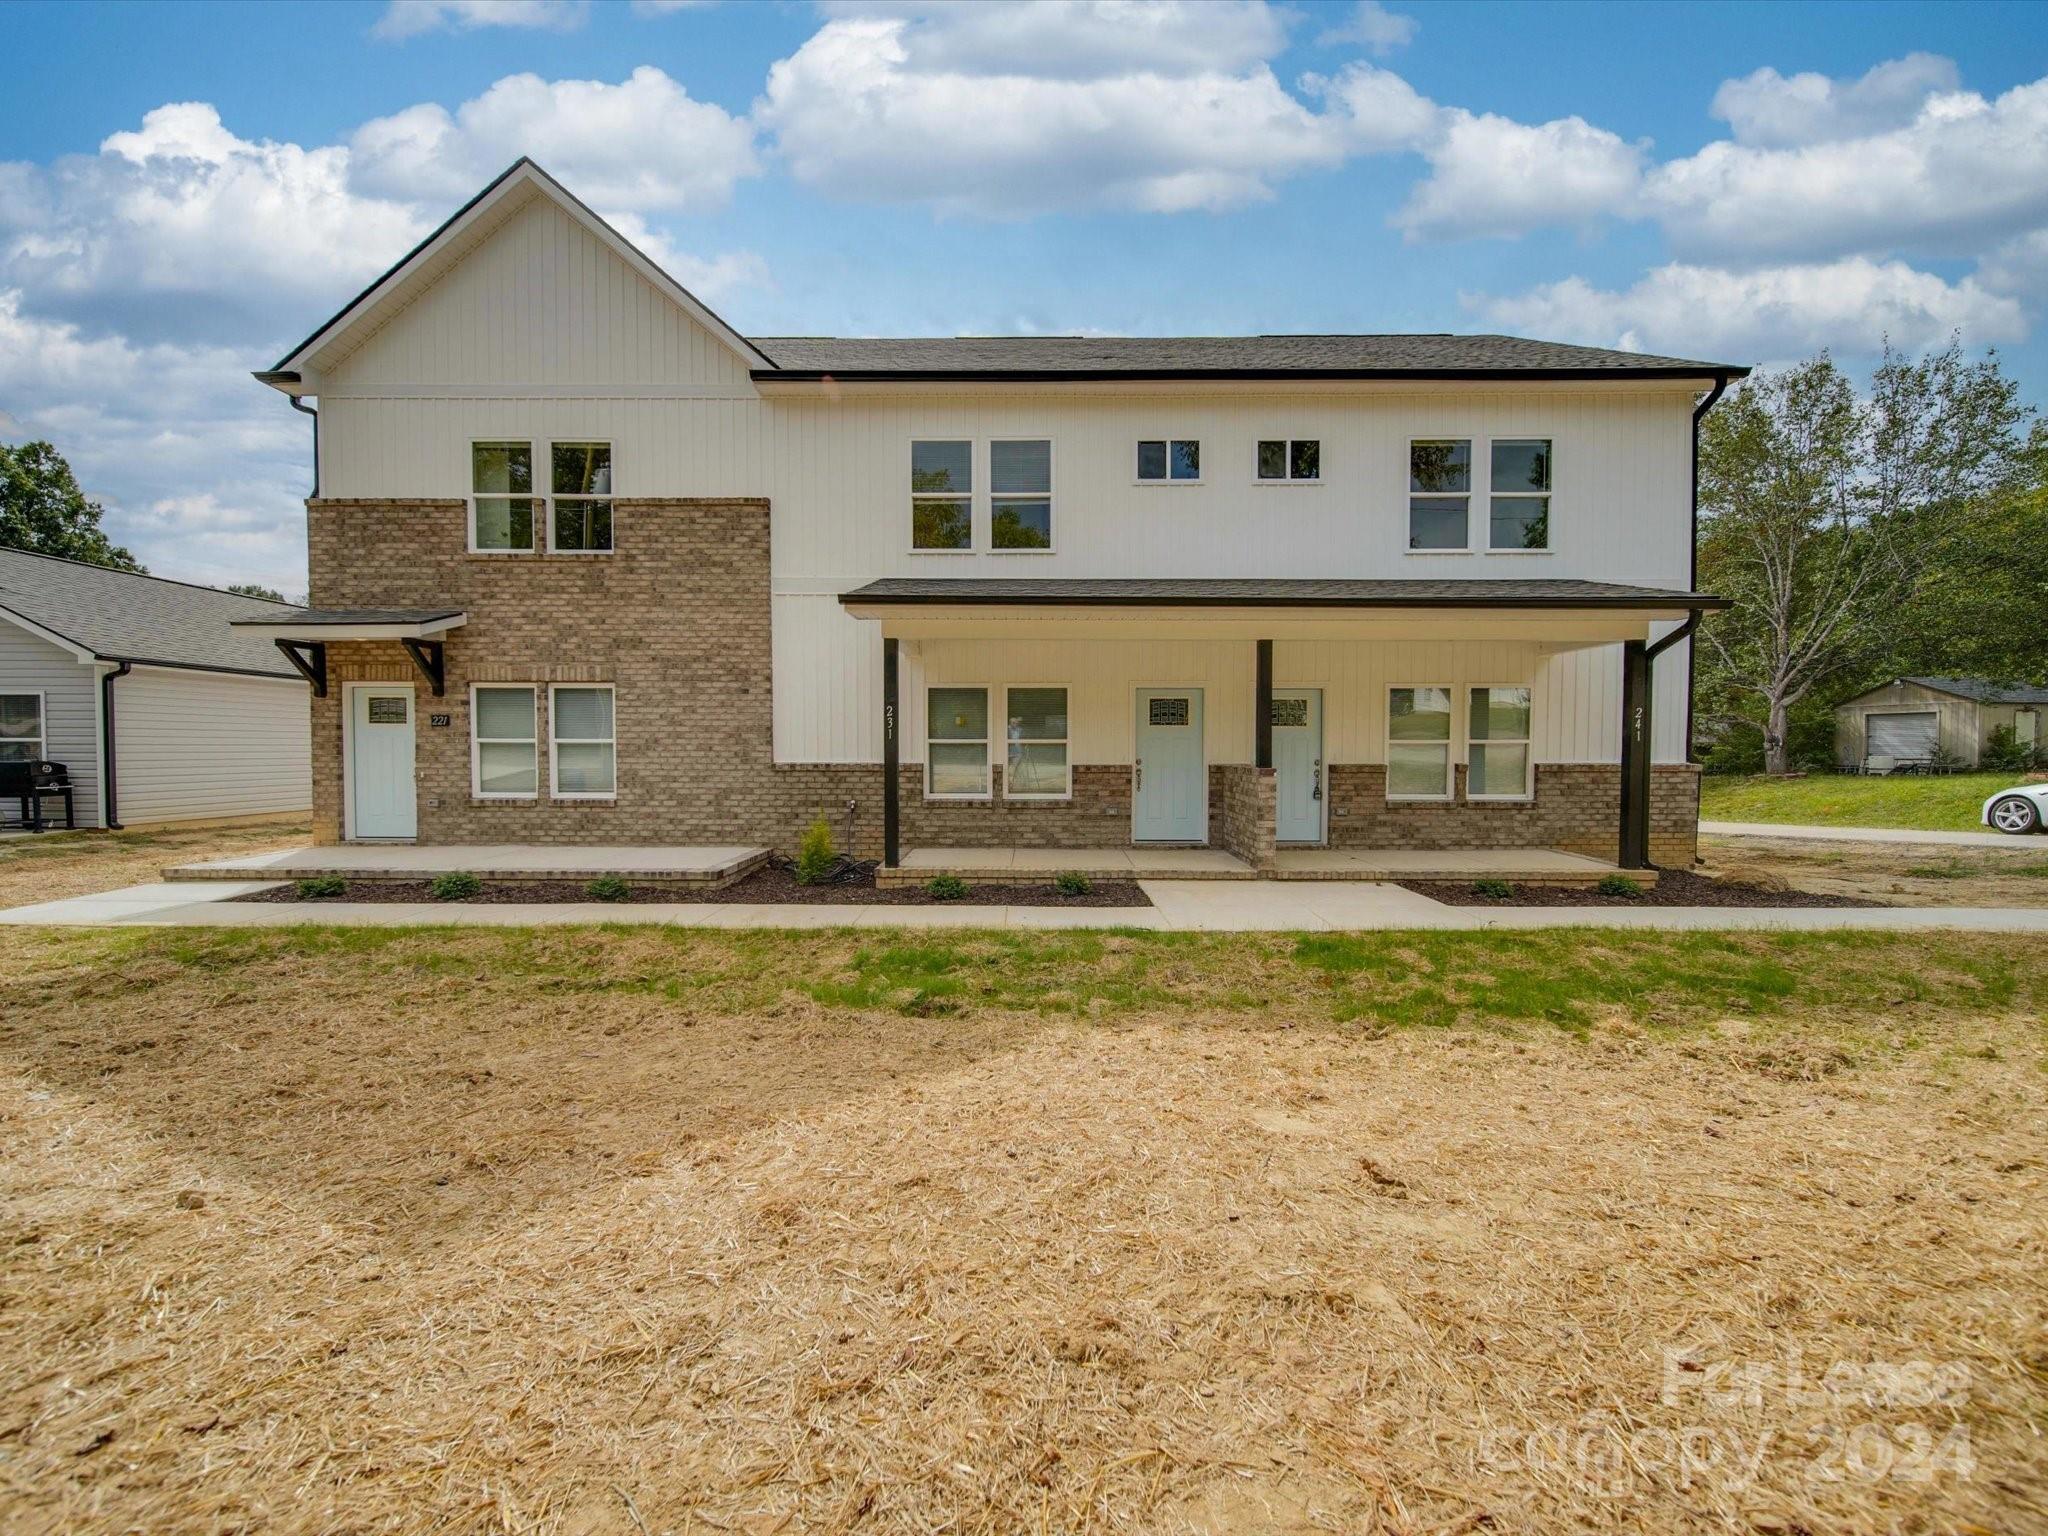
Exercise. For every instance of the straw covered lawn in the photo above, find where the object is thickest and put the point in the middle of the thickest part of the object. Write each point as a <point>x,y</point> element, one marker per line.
<point>633,1231</point>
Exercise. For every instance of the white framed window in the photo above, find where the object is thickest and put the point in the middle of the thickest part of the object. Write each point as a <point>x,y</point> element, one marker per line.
<point>941,495</point>
<point>1036,728</point>
<point>501,500</point>
<point>1497,756</point>
<point>1169,461</point>
<point>1440,494</point>
<point>504,744</point>
<point>580,480</point>
<point>1518,515</point>
<point>1419,742</point>
<point>1020,494</point>
<point>23,736</point>
<point>582,746</point>
<point>1289,461</point>
<point>956,743</point>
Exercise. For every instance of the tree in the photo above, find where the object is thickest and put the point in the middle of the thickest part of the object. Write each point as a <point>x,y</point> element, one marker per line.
<point>1824,515</point>
<point>43,511</point>
<point>255,589</point>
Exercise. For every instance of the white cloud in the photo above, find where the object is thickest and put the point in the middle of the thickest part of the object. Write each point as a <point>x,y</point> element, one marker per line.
<point>1374,27</point>
<point>1490,175</point>
<point>409,18</point>
<point>1773,110</point>
<point>1770,313</point>
<point>1079,39</point>
<point>712,279</point>
<point>641,144</point>
<point>669,7</point>
<point>2019,266</point>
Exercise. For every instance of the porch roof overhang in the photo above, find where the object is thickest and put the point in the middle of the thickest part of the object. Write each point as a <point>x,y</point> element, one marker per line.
<point>1556,611</point>
<point>319,625</point>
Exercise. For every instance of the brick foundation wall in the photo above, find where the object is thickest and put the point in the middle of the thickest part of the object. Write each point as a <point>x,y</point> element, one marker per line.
<point>1249,812</point>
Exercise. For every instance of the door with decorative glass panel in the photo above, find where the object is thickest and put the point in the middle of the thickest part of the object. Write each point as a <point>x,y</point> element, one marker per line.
<point>1170,801</point>
<point>1298,764</point>
<point>380,762</point>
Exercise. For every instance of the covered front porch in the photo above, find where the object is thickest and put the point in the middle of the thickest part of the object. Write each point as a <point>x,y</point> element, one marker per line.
<point>1290,729</point>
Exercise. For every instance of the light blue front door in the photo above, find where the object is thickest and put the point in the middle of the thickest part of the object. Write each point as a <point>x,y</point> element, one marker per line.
<point>1298,763</point>
<point>380,762</point>
<point>1171,802</point>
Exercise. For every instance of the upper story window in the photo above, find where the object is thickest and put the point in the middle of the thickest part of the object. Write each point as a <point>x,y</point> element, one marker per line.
<point>1020,493</point>
<point>501,497</point>
<point>1284,459</point>
<point>941,494</point>
<point>1169,461</point>
<point>21,728</point>
<point>1520,514</point>
<point>581,479</point>
<point>1440,493</point>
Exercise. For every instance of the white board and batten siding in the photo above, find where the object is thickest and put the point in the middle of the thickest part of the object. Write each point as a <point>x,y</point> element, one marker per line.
<point>201,746</point>
<point>542,332</point>
<point>70,690</point>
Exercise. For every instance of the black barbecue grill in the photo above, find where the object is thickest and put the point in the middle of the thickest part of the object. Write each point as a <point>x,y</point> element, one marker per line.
<point>29,784</point>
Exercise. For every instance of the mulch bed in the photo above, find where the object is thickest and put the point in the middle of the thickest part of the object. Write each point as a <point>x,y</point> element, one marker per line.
<point>1674,888</point>
<point>771,885</point>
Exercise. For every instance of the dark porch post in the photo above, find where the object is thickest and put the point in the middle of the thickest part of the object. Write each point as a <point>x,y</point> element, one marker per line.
<point>890,787</point>
<point>1262,708</point>
<point>1635,755</point>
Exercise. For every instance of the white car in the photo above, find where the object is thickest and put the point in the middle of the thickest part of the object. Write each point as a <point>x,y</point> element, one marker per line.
<point>2024,809</point>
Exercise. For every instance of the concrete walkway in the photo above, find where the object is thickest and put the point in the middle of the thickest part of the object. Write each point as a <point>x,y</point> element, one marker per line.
<point>692,865</point>
<point>1180,906</point>
<point>1984,839</point>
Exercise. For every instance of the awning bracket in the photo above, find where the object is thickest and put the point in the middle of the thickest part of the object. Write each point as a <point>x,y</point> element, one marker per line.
<point>309,660</point>
<point>426,655</point>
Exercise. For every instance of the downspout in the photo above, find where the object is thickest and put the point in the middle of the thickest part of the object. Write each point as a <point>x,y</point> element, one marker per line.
<point>107,797</point>
<point>299,405</point>
<point>1692,582</point>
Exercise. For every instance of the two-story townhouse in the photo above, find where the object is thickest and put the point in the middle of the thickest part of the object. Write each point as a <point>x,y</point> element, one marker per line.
<point>588,566</point>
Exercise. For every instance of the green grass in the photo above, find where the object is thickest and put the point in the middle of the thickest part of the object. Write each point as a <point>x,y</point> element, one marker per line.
<point>1933,803</point>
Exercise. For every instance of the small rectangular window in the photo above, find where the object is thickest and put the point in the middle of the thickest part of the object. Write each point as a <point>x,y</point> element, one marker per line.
<point>1419,743</point>
<point>1440,494</point>
<point>956,742</point>
<point>1169,460</point>
<point>501,497</point>
<point>1020,493</point>
<point>1520,515</point>
<point>21,728</point>
<point>1498,739</point>
<point>1037,764</point>
<point>942,495</point>
<point>582,486</point>
<point>582,747</point>
<point>1290,458</point>
<point>506,761</point>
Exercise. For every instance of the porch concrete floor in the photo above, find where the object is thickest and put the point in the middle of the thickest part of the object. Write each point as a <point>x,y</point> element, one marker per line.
<point>1545,865</point>
<point>1036,865</point>
<point>526,861</point>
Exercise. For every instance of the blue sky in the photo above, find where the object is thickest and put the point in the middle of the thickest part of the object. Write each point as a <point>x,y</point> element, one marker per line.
<point>186,189</point>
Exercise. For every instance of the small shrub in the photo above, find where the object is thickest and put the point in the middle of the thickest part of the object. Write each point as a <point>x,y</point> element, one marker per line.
<point>1499,890</point>
<point>1619,885</point>
<point>815,855</point>
<point>320,887</point>
<point>455,886</point>
<point>945,888</point>
<point>1071,882</point>
<point>2004,752</point>
<point>607,888</point>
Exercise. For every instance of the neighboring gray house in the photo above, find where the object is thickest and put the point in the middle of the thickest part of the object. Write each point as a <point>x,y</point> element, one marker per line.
<point>1912,719</point>
<point>198,721</point>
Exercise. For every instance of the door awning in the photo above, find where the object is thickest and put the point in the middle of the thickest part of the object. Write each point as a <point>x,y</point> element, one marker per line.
<point>332,624</point>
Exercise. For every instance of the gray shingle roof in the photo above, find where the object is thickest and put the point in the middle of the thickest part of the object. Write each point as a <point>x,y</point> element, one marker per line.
<point>120,616</point>
<point>1985,692</point>
<point>1386,356</point>
<point>313,617</point>
<point>1274,592</point>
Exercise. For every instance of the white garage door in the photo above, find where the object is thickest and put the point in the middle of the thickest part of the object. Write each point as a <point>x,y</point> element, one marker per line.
<point>1903,736</point>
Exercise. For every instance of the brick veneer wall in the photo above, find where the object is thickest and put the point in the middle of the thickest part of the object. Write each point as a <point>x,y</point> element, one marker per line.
<point>1577,807</point>
<point>1250,813</point>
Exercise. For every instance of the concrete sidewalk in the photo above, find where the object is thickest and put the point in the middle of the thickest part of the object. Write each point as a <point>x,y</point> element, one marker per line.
<point>1984,839</point>
<point>1180,906</point>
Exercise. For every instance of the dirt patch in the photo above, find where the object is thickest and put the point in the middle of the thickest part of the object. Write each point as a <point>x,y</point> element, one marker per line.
<point>1903,874</point>
<point>494,1232</point>
<point>1674,888</point>
<point>54,865</point>
<point>770,886</point>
